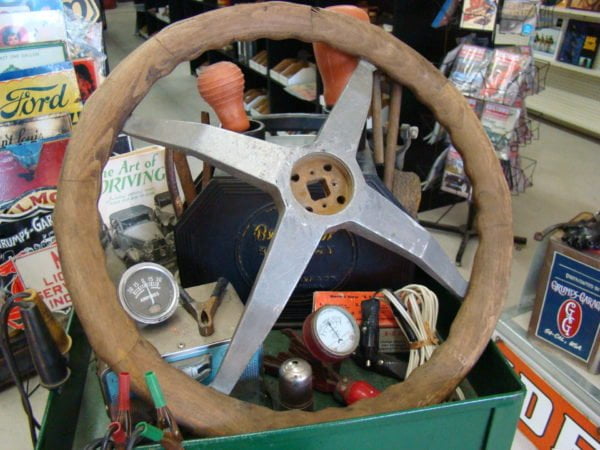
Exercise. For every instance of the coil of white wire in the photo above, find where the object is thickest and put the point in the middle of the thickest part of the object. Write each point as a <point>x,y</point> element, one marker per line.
<point>418,306</point>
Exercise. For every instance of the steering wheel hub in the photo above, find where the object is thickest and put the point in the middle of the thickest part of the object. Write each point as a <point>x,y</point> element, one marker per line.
<point>321,183</point>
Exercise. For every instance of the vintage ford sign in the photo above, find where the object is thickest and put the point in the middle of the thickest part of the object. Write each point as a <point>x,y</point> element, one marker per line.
<point>40,94</point>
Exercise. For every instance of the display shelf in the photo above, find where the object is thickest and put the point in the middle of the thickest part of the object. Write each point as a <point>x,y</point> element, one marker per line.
<point>578,112</point>
<point>594,72</point>
<point>572,97</point>
<point>575,384</point>
<point>577,14</point>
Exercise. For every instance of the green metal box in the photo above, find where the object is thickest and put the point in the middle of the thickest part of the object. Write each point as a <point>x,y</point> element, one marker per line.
<point>485,421</point>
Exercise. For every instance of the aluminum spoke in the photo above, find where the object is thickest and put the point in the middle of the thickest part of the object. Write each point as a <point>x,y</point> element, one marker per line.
<point>258,162</point>
<point>377,219</point>
<point>289,253</point>
<point>341,132</point>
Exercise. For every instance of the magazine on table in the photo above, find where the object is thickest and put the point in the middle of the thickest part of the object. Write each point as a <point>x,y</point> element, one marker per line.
<point>479,15</point>
<point>470,67</point>
<point>580,44</point>
<point>499,122</point>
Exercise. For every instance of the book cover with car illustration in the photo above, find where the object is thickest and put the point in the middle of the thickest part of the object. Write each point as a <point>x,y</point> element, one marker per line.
<point>135,207</point>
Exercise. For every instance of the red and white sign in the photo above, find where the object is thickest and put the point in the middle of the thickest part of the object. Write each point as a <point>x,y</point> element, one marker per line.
<point>547,419</point>
<point>568,318</point>
<point>41,270</point>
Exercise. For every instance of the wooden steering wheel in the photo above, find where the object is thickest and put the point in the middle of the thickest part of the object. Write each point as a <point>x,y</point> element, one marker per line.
<point>113,335</point>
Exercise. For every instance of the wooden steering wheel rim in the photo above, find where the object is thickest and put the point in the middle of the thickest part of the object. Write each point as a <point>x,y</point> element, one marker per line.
<point>112,334</point>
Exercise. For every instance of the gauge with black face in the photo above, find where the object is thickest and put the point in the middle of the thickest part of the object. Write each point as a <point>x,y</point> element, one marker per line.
<point>149,293</point>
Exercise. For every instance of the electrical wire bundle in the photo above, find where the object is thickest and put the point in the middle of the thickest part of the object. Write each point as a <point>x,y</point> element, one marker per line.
<point>121,435</point>
<point>416,309</point>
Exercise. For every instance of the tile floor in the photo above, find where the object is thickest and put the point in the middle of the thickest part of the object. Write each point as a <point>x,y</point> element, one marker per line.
<point>566,182</point>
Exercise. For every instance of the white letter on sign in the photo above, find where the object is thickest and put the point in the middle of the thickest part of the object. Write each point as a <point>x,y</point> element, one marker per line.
<point>537,408</point>
<point>572,436</point>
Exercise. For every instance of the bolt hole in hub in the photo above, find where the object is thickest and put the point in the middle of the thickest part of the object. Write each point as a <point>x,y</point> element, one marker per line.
<point>321,184</point>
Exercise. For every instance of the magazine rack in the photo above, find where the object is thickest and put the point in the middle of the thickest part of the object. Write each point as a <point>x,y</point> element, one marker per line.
<point>518,170</point>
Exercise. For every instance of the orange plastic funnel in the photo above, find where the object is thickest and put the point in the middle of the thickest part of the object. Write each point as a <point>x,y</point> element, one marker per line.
<point>221,85</point>
<point>336,67</point>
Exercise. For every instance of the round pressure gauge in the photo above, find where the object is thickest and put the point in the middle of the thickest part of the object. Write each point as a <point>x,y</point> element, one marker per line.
<point>330,333</point>
<point>148,293</point>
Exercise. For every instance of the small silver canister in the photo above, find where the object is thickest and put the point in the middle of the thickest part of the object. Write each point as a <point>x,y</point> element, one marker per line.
<point>295,385</point>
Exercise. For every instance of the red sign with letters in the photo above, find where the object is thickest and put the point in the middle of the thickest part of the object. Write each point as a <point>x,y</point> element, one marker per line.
<point>547,419</point>
<point>568,318</point>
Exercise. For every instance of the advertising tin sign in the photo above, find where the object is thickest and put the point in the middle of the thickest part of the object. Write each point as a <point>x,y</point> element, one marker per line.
<point>570,313</point>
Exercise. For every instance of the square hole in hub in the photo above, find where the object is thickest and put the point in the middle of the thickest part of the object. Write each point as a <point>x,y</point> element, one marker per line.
<point>318,189</point>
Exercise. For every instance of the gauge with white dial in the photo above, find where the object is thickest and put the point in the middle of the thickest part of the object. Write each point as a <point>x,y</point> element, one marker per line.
<point>330,333</point>
<point>149,293</point>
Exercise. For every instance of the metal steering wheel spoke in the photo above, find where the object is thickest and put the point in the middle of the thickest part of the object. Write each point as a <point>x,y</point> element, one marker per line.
<point>377,219</point>
<point>290,251</point>
<point>341,131</point>
<point>258,162</point>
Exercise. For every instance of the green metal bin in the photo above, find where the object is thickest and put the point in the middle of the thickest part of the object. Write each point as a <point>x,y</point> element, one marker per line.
<point>487,420</point>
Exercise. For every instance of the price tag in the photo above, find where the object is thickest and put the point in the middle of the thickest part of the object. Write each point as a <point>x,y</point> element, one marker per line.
<point>351,301</point>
